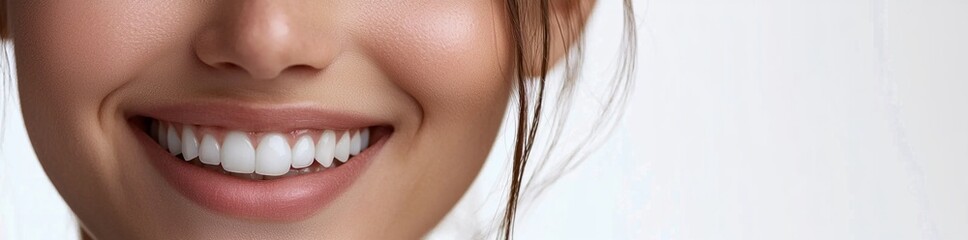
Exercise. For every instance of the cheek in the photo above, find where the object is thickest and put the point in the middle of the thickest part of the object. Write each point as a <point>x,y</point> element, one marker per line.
<point>77,51</point>
<point>450,57</point>
<point>72,56</point>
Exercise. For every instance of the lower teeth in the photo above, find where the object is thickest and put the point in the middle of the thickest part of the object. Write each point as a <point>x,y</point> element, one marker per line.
<point>255,176</point>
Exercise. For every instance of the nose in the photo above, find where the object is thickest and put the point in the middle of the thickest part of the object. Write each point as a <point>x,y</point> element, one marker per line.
<point>265,39</point>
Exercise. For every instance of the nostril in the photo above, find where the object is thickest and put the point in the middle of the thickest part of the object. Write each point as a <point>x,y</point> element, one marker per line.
<point>227,66</point>
<point>302,69</point>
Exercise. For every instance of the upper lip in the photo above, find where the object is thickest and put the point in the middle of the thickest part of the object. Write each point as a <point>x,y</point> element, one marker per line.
<point>258,117</point>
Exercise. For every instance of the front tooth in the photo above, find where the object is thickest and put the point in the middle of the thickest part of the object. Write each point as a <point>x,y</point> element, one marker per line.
<point>208,151</point>
<point>355,143</point>
<point>325,148</point>
<point>365,134</point>
<point>237,154</point>
<point>273,157</point>
<point>189,143</point>
<point>343,147</point>
<point>174,143</point>
<point>303,152</point>
<point>163,135</point>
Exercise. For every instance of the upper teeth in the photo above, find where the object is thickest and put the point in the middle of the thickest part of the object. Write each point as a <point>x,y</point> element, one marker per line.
<point>273,154</point>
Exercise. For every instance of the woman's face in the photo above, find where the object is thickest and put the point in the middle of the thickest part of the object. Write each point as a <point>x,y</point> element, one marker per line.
<point>301,119</point>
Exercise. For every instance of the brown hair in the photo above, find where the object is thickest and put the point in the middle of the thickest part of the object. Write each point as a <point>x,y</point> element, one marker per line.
<point>530,23</point>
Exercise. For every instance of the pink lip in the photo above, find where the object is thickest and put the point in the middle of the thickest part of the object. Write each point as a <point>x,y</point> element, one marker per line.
<point>286,199</point>
<point>258,118</point>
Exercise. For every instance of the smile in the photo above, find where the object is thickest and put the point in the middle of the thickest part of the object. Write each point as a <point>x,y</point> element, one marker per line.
<point>260,155</point>
<point>272,163</point>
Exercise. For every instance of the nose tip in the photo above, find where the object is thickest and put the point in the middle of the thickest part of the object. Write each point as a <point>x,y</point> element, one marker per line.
<point>262,40</point>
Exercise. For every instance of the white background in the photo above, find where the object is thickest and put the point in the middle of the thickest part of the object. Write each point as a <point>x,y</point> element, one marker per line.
<point>750,119</point>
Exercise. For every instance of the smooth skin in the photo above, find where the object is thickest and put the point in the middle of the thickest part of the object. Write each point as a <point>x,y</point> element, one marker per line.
<point>440,69</point>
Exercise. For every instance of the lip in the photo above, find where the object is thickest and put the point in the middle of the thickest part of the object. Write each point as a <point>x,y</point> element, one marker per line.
<point>285,199</point>
<point>258,118</point>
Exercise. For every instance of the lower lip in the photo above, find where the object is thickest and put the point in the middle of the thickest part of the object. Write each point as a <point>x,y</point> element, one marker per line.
<point>286,199</point>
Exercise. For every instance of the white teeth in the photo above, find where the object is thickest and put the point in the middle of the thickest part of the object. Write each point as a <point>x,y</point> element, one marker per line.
<point>303,152</point>
<point>273,157</point>
<point>356,143</point>
<point>163,135</point>
<point>237,154</point>
<point>189,143</point>
<point>325,148</point>
<point>174,143</point>
<point>366,137</point>
<point>209,152</point>
<point>343,147</point>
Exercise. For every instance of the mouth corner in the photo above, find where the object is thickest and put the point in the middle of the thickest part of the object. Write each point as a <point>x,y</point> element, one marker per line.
<point>140,122</point>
